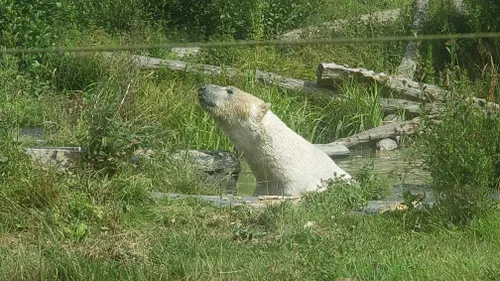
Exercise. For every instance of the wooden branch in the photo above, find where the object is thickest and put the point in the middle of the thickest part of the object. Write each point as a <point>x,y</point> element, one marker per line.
<point>399,128</point>
<point>329,73</point>
<point>408,64</point>
<point>411,108</point>
<point>389,106</point>
<point>494,107</point>
<point>288,83</point>
<point>380,17</point>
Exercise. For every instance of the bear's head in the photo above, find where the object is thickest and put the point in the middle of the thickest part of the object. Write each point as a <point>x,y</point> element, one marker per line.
<point>230,104</point>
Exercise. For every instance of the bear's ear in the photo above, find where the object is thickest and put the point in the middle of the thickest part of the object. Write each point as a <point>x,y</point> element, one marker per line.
<point>263,109</point>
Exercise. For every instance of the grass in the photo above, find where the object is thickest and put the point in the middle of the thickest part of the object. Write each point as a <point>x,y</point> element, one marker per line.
<point>192,240</point>
<point>99,223</point>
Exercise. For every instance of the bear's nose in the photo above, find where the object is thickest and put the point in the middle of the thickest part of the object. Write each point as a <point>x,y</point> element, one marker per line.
<point>202,89</point>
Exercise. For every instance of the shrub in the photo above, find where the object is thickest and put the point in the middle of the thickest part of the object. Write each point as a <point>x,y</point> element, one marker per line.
<point>479,57</point>
<point>109,132</point>
<point>462,155</point>
<point>241,20</point>
<point>29,23</point>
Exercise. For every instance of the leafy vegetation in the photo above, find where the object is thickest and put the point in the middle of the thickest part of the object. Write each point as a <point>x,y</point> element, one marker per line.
<point>462,154</point>
<point>98,222</point>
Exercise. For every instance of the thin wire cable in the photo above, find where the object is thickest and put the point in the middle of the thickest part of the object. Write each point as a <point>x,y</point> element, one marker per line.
<point>254,43</point>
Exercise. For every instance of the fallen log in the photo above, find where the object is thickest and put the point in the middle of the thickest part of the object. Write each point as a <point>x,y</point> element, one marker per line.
<point>408,64</point>
<point>459,7</point>
<point>392,202</point>
<point>399,128</point>
<point>491,106</point>
<point>379,17</point>
<point>256,202</point>
<point>329,73</point>
<point>217,169</point>
<point>145,62</point>
<point>288,83</point>
<point>410,108</point>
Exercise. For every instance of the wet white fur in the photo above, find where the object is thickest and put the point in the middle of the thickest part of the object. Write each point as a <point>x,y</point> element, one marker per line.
<point>283,162</point>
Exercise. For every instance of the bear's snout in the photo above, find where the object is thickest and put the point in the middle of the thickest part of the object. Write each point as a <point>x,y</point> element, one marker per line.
<point>207,95</point>
<point>209,89</point>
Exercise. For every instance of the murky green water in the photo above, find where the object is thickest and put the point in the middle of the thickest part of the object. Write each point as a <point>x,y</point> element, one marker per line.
<point>390,165</point>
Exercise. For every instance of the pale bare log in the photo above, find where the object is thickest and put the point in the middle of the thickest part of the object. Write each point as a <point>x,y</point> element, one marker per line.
<point>380,17</point>
<point>491,106</point>
<point>408,64</point>
<point>288,83</point>
<point>459,7</point>
<point>330,73</point>
<point>399,128</point>
<point>145,62</point>
<point>255,202</point>
<point>411,108</point>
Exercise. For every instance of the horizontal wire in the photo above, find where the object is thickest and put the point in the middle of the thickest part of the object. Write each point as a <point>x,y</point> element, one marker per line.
<point>254,43</point>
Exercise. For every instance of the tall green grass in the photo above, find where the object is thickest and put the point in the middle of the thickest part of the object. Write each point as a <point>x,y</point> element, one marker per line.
<point>167,240</point>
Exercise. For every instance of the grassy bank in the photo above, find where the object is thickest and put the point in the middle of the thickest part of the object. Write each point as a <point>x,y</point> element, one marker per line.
<point>98,222</point>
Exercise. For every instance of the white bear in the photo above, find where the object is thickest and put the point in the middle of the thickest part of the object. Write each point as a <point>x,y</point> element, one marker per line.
<point>283,162</point>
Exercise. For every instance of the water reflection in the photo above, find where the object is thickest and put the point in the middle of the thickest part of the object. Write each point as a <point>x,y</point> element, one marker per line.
<point>392,165</point>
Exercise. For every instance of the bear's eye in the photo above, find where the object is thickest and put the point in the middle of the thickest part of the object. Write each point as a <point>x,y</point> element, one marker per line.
<point>230,91</point>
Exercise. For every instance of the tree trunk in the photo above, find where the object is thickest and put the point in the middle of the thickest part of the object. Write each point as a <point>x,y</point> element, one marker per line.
<point>288,83</point>
<point>400,128</point>
<point>408,64</point>
<point>328,74</point>
<point>379,17</point>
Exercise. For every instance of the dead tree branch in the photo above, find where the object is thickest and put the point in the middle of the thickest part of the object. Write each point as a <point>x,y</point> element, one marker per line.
<point>380,17</point>
<point>408,64</point>
<point>399,128</point>
<point>330,73</point>
<point>288,83</point>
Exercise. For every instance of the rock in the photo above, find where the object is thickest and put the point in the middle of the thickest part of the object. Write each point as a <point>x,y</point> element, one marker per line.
<point>334,150</point>
<point>309,224</point>
<point>391,118</point>
<point>217,168</point>
<point>60,157</point>
<point>388,144</point>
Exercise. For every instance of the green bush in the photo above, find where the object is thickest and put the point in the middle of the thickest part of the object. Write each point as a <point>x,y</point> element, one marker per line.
<point>114,16</point>
<point>461,152</point>
<point>29,23</point>
<point>478,57</point>
<point>107,133</point>
<point>484,15</point>
<point>241,20</point>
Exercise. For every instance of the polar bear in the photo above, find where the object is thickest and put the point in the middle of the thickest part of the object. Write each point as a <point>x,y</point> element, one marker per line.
<point>283,162</point>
